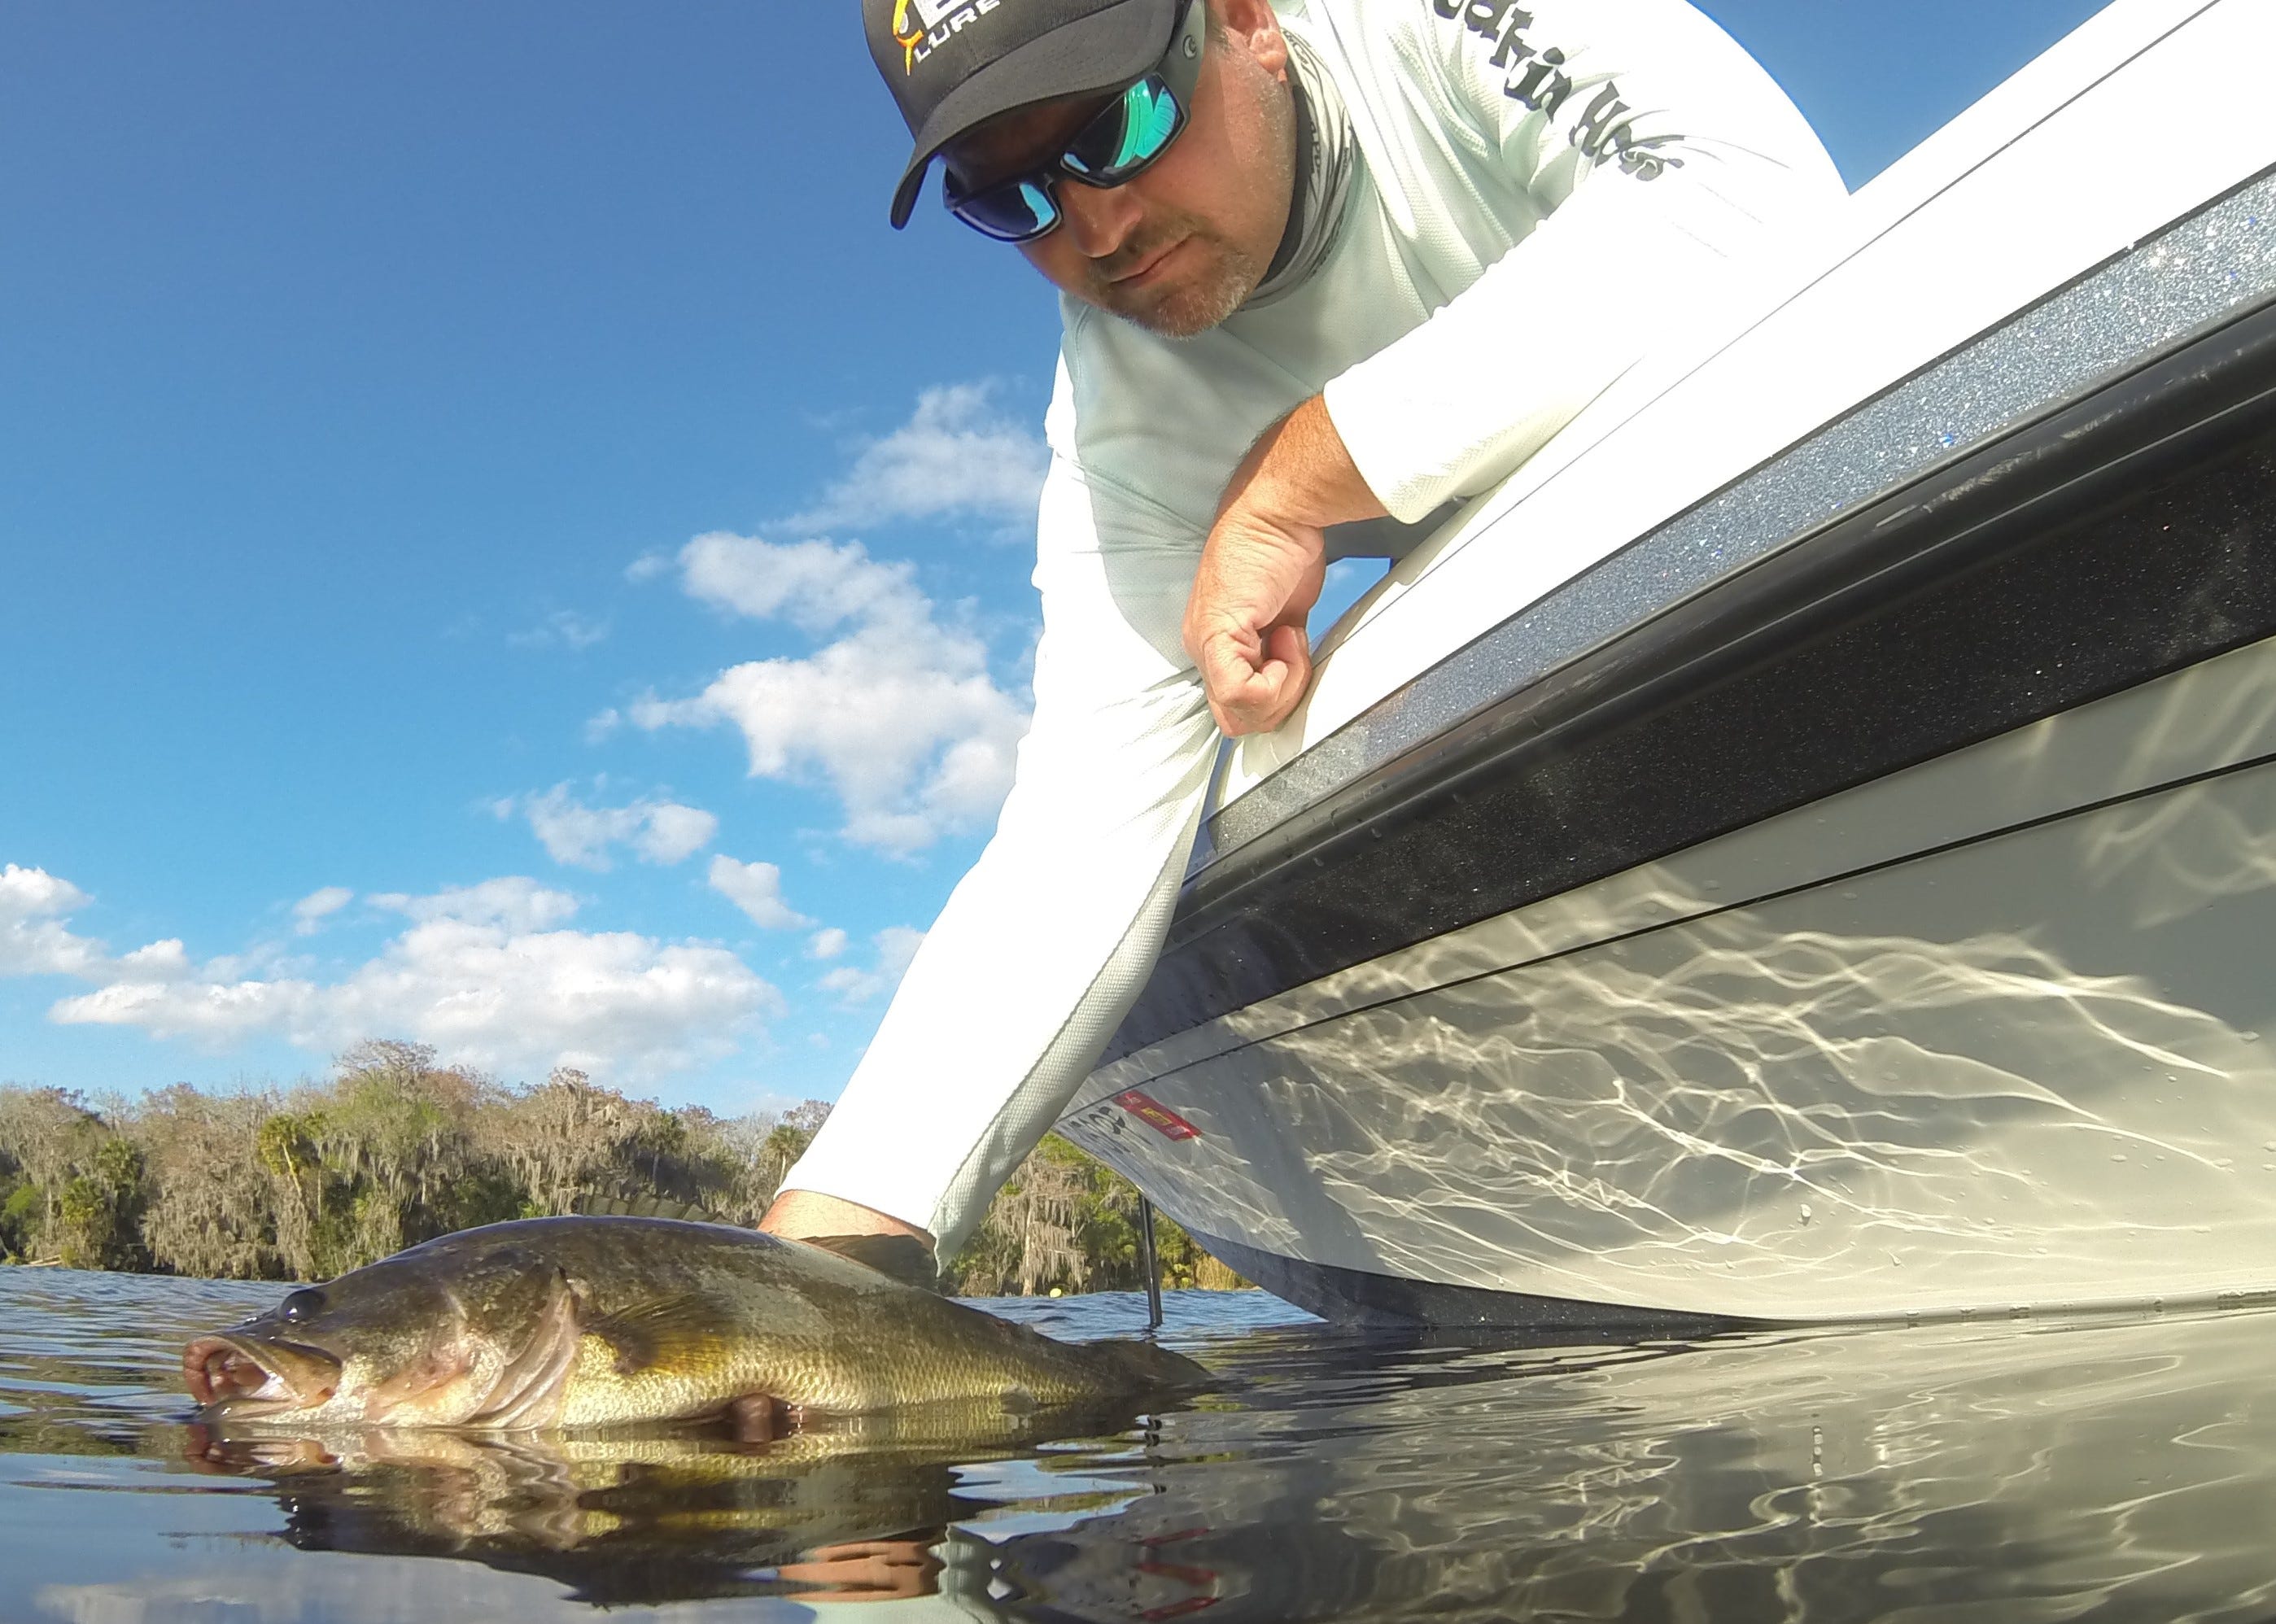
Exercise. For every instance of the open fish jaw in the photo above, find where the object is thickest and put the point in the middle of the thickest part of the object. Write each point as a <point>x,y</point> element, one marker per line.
<point>240,1378</point>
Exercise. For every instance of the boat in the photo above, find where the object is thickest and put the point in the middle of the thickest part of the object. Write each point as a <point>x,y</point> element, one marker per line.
<point>1803,848</point>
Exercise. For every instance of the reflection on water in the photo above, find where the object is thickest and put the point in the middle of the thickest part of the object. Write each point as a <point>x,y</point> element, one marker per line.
<point>616,1521</point>
<point>2119,1469</point>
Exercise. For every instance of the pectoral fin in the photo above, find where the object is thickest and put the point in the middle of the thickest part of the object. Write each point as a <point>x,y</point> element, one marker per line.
<point>674,1330</point>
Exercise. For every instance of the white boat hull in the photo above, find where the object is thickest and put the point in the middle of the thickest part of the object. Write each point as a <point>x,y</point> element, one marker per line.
<point>2031,1066</point>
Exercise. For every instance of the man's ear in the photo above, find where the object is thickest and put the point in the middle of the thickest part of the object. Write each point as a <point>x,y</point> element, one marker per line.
<point>1253,26</point>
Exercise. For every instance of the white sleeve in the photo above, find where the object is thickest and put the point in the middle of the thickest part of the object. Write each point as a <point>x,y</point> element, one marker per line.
<point>1046,943</point>
<point>1663,154</point>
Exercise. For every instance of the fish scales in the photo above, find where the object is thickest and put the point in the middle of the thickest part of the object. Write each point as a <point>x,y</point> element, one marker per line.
<point>587,1321</point>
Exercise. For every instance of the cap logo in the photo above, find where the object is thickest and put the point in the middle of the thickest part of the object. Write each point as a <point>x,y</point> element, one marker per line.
<point>907,36</point>
<point>922,26</point>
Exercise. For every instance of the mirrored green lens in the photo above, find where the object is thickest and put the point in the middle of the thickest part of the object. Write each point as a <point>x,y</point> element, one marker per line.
<point>1148,116</point>
<point>1128,135</point>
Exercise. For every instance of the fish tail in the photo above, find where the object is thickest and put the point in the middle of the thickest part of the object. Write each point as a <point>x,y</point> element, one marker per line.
<point>1148,1365</point>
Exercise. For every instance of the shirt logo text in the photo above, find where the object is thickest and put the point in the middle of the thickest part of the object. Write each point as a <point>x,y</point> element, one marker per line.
<point>1536,80</point>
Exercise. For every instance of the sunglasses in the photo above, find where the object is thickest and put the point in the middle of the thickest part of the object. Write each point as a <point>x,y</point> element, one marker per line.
<point>1128,133</point>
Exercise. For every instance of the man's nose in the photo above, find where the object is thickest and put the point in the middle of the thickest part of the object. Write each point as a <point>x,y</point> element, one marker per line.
<point>1099,220</point>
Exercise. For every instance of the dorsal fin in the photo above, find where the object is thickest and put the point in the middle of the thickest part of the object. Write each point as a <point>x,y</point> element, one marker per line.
<point>595,1203</point>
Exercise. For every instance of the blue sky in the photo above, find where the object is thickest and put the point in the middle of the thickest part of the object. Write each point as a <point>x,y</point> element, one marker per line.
<point>500,544</point>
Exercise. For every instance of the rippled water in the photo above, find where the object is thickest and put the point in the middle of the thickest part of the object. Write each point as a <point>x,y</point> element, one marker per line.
<point>2018,1471</point>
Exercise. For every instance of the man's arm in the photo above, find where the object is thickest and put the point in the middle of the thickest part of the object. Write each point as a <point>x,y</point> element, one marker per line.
<point>1672,197</point>
<point>1661,159</point>
<point>1261,572</point>
<point>806,1215</point>
<point>1045,944</point>
<point>862,1233</point>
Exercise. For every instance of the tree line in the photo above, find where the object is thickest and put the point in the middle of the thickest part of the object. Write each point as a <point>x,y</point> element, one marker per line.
<point>394,1149</point>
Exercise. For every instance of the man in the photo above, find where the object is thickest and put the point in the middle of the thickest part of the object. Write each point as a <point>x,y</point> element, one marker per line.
<point>1353,258</point>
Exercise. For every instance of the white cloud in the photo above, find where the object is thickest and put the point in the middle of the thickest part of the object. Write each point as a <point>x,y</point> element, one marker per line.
<point>310,912</point>
<point>478,974</point>
<point>756,889</point>
<point>34,939</point>
<point>827,944</point>
<point>957,457</point>
<point>166,960</point>
<point>647,566</point>
<point>896,946</point>
<point>658,831</point>
<point>516,903</point>
<point>816,585</point>
<point>899,714</point>
<point>564,628</point>
<point>672,833</point>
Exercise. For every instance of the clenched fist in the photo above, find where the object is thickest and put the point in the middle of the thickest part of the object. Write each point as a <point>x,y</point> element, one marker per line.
<point>1261,568</point>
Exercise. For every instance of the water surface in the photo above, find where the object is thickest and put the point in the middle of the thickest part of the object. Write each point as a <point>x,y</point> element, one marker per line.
<point>2023,1470</point>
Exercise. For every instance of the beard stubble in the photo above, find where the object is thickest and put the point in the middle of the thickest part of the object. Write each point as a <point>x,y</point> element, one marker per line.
<point>1216,280</point>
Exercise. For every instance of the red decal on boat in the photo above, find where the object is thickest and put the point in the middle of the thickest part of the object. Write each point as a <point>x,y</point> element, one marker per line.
<point>1157,1116</point>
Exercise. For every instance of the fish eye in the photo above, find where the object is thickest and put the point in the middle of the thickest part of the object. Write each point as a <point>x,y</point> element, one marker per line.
<point>304,1305</point>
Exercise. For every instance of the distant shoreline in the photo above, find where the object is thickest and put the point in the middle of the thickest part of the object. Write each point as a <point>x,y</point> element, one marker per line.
<point>394,1149</point>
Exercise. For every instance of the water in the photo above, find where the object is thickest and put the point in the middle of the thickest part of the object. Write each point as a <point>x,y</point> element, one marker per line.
<point>2039,1471</point>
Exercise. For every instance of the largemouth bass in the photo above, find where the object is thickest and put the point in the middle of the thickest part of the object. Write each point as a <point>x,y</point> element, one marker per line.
<point>577,1322</point>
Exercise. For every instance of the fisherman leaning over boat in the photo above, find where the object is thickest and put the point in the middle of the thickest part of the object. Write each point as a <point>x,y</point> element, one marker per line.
<point>1358,256</point>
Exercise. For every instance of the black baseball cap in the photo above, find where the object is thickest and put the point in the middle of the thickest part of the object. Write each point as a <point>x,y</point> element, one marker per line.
<point>954,64</point>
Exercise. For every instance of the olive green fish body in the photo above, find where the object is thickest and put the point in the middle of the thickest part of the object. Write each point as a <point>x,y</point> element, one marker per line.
<point>588,1321</point>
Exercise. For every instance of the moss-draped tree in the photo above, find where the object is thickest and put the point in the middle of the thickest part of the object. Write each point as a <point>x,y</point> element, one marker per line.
<point>395,1148</point>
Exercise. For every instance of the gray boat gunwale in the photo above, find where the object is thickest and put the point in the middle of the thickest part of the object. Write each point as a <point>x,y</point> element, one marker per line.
<point>1309,838</point>
<point>1860,458</point>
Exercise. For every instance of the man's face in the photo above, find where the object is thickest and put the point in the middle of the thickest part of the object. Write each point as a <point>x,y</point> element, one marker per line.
<point>1178,249</point>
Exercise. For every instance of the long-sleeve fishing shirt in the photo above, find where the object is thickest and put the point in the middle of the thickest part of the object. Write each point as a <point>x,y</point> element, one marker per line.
<point>1534,191</point>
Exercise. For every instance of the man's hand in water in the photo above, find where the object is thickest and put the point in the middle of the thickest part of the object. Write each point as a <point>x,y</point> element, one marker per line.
<point>1259,573</point>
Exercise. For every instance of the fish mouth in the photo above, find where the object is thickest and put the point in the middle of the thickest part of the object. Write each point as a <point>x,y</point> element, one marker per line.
<point>238,1377</point>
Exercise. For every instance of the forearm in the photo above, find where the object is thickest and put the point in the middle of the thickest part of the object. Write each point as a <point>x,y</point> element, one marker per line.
<point>1299,473</point>
<point>1261,571</point>
<point>802,1215</point>
<point>1047,940</point>
<point>1023,979</point>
